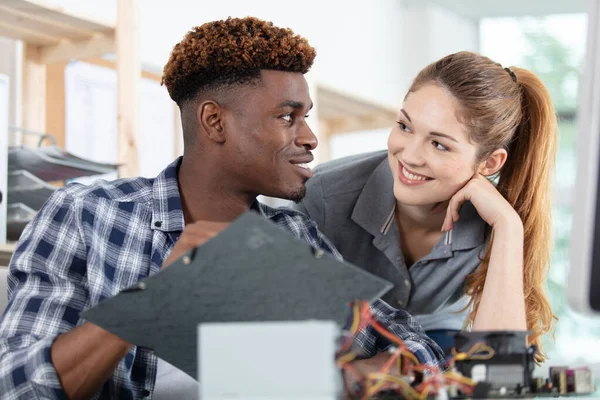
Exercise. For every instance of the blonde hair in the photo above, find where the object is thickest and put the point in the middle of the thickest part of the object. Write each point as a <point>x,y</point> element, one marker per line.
<point>510,109</point>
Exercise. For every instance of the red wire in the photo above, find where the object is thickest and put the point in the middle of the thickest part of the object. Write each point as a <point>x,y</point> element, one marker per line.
<point>365,319</point>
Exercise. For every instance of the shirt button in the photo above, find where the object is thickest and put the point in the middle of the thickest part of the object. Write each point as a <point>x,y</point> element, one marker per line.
<point>146,393</point>
<point>406,282</point>
<point>400,302</point>
<point>158,224</point>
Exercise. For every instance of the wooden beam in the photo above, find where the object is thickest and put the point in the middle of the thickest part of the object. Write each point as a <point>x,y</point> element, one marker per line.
<point>128,86</point>
<point>55,102</point>
<point>32,37</point>
<point>336,104</point>
<point>357,124</point>
<point>35,9</point>
<point>21,18</point>
<point>103,62</point>
<point>67,50</point>
<point>34,93</point>
<point>323,152</point>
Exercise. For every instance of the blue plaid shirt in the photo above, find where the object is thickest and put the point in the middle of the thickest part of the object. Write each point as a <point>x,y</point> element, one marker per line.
<point>88,243</point>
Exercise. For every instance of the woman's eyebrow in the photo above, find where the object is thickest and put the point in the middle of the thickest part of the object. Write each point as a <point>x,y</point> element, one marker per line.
<point>431,133</point>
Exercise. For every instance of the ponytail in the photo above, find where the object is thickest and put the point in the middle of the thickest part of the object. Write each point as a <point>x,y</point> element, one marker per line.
<point>525,182</point>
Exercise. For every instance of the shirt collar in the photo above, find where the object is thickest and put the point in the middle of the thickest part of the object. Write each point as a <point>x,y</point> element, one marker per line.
<point>469,231</point>
<point>375,207</point>
<point>167,213</point>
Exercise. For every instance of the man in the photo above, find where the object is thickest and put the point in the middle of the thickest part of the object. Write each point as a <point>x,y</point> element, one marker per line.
<point>239,84</point>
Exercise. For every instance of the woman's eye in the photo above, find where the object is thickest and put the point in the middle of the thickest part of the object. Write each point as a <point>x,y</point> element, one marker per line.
<point>403,126</point>
<point>439,146</point>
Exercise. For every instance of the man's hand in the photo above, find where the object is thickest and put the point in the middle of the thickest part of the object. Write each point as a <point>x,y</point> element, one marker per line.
<point>193,236</point>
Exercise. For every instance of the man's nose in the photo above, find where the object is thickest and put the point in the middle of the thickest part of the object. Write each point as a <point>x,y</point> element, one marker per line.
<point>306,138</point>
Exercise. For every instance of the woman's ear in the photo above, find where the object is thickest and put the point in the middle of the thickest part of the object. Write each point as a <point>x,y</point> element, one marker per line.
<point>493,163</point>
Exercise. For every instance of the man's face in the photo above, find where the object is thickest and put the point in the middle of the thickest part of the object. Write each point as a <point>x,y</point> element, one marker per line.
<point>268,140</point>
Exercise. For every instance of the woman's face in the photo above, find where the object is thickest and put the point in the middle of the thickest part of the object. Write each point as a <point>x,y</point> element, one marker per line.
<point>428,150</point>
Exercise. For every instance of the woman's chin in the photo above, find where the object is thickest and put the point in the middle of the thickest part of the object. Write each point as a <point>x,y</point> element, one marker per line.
<point>414,200</point>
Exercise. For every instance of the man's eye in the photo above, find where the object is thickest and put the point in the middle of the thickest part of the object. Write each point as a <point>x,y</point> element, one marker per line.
<point>287,118</point>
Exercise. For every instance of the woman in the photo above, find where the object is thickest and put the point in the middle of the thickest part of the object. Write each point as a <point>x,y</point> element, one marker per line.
<point>426,216</point>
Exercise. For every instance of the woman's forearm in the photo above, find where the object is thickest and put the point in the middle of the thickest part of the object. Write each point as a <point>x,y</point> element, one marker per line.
<point>502,305</point>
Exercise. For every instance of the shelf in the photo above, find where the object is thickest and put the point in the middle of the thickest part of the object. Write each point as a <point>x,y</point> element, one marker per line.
<point>53,164</point>
<point>26,188</point>
<point>17,217</point>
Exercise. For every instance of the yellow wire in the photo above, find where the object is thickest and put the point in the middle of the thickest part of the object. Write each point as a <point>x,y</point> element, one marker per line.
<point>470,355</point>
<point>376,381</point>
<point>460,378</point>
<point>392,379</point>
<point>371,391</point>
<point>410,355</point>
<point>346,358</point>
<point>477,349</point>
<point>356,318</point>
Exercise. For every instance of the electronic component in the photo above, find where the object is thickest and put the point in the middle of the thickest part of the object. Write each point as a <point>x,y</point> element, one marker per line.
<point>508,372</point>
<point>483,365</point>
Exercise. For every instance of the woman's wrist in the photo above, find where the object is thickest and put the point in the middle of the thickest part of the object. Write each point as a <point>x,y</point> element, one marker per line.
<point>510,224</point>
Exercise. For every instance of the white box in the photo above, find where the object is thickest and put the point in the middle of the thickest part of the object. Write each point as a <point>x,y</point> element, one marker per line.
<point>268,361</point>
<point>4,93</point>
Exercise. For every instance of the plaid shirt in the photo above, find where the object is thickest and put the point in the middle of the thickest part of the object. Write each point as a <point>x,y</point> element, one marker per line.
<point>88,243</point>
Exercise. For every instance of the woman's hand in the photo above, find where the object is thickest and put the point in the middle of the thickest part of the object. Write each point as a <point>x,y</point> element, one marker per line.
<point>489,203</point>
<point>502,301</point>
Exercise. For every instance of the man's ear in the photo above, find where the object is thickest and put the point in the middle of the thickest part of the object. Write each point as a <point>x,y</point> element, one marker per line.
<point>493,163</point>
<point>210,118</point>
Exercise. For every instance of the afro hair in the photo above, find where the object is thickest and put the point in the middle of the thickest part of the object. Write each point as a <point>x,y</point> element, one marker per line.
<point>232,51</point>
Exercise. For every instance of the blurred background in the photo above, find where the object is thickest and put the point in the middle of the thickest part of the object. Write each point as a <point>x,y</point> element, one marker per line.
<point>367,54</point>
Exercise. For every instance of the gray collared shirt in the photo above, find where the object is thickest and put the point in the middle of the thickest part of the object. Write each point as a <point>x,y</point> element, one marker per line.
<point>353,204</point>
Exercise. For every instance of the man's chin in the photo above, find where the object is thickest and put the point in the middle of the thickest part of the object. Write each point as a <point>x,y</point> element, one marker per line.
<point>291,194</point>
<point>297,195</point>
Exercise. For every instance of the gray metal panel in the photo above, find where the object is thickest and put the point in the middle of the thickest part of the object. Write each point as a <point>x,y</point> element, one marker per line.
<point>505,375</point>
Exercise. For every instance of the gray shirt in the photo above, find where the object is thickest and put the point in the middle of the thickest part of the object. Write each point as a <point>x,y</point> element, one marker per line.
<point>352,201</point>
